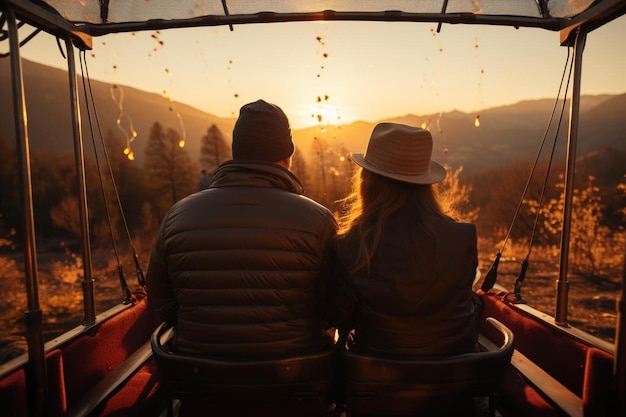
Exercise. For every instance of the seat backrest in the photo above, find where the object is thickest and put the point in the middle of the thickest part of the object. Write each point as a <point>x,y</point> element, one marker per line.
<point>215,380</point>
<point>423,385</point>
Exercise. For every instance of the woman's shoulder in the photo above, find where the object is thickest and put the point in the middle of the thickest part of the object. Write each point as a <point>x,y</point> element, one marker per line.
<point>455,227</point>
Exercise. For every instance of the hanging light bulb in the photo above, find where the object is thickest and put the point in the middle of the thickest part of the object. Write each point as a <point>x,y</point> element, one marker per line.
<point>181,143</point>
<point>477,120</point>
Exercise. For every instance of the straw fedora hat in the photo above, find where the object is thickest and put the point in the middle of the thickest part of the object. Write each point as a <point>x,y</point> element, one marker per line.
<point>402,153</point>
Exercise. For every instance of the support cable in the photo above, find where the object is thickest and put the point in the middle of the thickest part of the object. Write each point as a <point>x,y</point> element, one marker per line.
<point>492,274</point>
<point>140,275</point>
<point>81,185</point>
<point>520,279</point>
<point>120,270</point>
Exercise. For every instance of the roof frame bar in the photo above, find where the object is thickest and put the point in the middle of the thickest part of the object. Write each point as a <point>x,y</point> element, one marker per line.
<point>543,8</point>
<point>104,10</point>
<point>593,18</point>
<point>553,24</point>
<point>50,21</point>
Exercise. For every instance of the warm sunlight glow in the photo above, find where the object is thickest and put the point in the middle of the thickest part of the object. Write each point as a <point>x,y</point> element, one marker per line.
<point>325,113</point>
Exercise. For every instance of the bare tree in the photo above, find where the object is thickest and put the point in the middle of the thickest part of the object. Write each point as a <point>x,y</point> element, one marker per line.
<point>596,251</point>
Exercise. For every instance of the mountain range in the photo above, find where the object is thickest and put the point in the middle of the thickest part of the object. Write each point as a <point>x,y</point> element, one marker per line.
<point>506,134</point>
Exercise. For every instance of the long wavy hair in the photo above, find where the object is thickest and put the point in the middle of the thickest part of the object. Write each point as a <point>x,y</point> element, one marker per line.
<point>373,199</point>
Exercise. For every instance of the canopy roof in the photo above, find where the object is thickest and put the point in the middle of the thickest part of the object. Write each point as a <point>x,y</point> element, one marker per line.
<point>100,17</point>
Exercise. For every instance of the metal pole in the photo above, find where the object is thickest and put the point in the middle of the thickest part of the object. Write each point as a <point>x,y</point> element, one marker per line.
<point>88,282</point>
<point>37,378</point>
<point>562,284</point>
<point>619,364</point>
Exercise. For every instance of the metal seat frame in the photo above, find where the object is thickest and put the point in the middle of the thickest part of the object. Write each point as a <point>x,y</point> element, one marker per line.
<point>302,380</point>
<point>416,386</point>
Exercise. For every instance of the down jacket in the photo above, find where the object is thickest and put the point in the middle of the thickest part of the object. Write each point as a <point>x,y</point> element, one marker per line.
<point>417,298</point>
<point>242,268</point>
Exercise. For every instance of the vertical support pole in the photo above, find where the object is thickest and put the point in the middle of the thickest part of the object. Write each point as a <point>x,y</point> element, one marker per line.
<point>562,284</point>
<point>37,379</point>
<point>619,364</point>
<point>79,156</point>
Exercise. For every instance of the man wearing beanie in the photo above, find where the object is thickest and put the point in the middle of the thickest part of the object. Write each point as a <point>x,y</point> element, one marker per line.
<point>241,268</point>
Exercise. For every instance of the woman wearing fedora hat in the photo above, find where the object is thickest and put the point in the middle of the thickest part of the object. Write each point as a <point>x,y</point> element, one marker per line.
<point>405,285</point>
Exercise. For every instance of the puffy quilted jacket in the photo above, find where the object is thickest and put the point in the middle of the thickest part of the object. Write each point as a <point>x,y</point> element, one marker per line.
<point>417,298</point>
<point>242,267</point>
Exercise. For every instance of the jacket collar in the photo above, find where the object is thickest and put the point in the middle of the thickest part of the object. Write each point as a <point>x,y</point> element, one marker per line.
<point>255,174</point>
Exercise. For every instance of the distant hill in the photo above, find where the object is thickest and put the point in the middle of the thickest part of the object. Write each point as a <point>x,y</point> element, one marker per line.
<point>46,91</point>
<point>507,134</point>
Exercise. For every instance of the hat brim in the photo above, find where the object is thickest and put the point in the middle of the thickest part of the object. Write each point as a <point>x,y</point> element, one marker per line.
<point>436,172</point>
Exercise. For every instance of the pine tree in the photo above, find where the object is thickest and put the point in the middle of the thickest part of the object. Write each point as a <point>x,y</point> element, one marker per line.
<point>300,169</point>
<point>214,149</point>
<point>170,173</point>
<point>129,181</point>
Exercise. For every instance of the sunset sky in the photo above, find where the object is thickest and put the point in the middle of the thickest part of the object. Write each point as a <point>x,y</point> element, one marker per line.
<point>359,70</point>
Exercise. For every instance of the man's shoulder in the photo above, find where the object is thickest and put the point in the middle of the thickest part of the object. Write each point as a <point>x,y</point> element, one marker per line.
<point>314,205</point>
<point>309,209</point>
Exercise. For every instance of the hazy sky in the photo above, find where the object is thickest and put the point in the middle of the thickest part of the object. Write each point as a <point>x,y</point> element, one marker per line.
<point>359,70</point>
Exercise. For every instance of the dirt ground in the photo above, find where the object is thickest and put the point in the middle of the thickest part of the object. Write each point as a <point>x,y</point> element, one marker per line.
<point>592,307</point>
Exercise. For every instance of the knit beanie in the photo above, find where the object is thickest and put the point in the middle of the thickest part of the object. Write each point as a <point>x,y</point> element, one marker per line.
<point>262,133</point>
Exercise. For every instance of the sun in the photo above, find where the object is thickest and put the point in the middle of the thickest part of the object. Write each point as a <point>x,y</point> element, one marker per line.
<point>324,113</point>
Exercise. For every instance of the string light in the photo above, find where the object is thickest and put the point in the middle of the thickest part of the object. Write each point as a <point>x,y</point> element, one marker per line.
<point>234,93</point>
<point>117,94</point>
<point>431,80</point>
<point>172,103</point>
<point>324,112</point>
<point>159,43</point>
<point>181,123</point>
<point>123,120</point>
<point>481,73</point>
